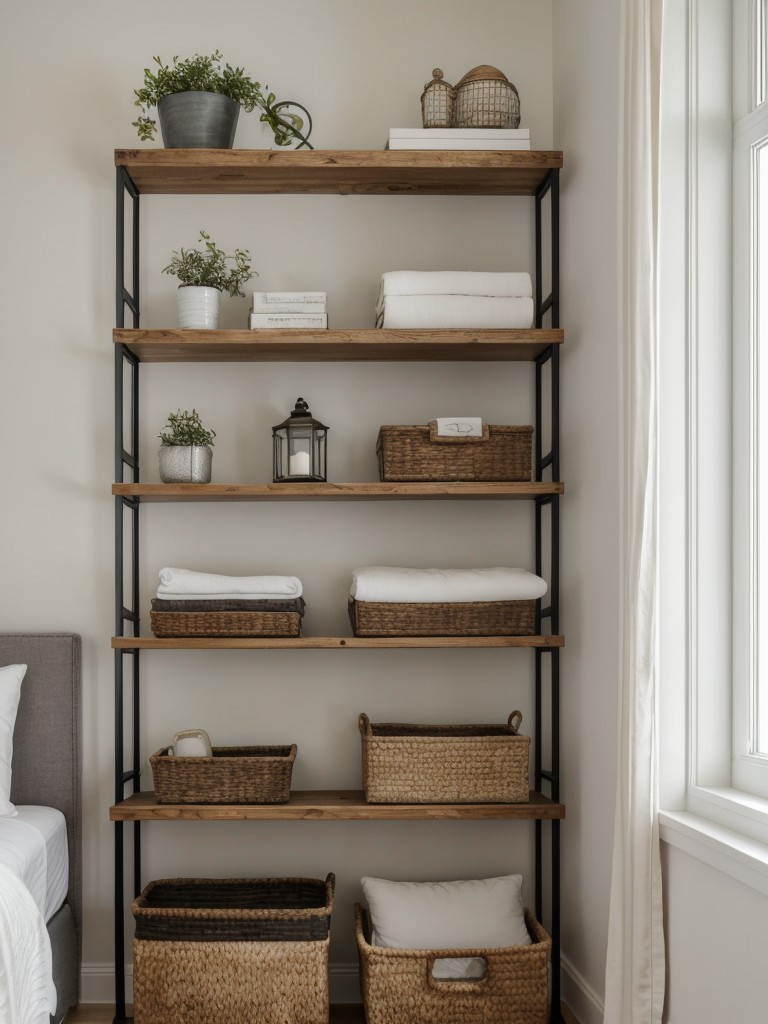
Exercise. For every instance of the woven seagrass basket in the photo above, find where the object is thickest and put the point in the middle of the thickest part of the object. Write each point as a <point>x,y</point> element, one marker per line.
<point>233,775</point>
<point>225,623</point>
<point>424,764</point>
<point>417,452</point>
<point>451,618</point>
<point>218,951</point>
<point>485,98</point>
<point>398,985</point>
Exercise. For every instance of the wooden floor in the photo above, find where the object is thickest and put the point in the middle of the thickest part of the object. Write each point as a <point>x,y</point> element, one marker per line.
<point>102,1013</point>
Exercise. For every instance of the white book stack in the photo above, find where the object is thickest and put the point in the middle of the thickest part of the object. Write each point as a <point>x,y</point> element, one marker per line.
<point>459,138</point>
<point>289,309</point>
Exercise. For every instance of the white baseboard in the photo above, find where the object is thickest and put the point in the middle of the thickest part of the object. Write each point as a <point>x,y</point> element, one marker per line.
<point>98,983</point>
<point>579,995</point>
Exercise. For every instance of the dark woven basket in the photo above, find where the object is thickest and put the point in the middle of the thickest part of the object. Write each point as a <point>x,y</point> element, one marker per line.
<point>418,453</point>
<point>233,775</point>
<point>424,764</point>
<point>225,623</point>
<point>235,909</point>
<point>453,618</point>
<point>219,951</point>
<point>398,985</point>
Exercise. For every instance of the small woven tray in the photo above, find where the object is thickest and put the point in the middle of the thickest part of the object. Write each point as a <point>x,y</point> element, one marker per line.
<point>456,618</point>
<point>504,452</point>
<point>451,764</point>
<point>235,909</point>
<point>233,775</point>
<point>225,623</point>
<point>398,985</point>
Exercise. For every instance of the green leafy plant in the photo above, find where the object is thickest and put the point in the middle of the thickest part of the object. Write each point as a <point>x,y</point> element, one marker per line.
<point>211,267</point>
<point>185,428</point>
<point>206,74</point>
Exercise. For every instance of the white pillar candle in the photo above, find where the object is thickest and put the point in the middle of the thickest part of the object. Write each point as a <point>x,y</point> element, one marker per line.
<point>298,464</point>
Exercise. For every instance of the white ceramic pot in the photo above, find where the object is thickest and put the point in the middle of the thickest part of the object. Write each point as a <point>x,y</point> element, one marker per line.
<point>199,307</point>
<point>185,464</point>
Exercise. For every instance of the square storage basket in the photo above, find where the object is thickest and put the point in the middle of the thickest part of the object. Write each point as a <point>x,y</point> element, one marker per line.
<point>233,775</point>
<point>451,764</point>
<point>398,985</point>
<point>418,453</point>
<point>450,618</point>
<point>218,951</point>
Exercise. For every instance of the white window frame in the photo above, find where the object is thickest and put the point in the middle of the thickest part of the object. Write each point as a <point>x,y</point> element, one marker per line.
<point>701,811</point>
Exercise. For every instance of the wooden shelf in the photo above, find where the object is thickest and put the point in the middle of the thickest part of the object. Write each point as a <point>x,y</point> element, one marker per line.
<point>311,643</point>
<point>377,491</point>
<point>176,345</point>
<point>337,172</point>
<point>331,805</point>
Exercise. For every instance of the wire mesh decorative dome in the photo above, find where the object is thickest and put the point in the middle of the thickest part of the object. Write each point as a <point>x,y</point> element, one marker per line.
<point>485,98</point>
<point>437,102</point>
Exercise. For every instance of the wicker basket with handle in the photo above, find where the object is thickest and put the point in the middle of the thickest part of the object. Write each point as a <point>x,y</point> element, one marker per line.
<point>398,984</point>
<point>417,764</point>
<point>418,452</point>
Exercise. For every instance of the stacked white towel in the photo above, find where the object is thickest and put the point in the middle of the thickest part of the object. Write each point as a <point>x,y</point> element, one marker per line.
<point>188,585</point>
<point>391,584</point>
<point>454,299</point>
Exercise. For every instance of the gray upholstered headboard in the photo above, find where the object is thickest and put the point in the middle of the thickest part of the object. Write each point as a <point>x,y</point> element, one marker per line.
<point>47,737</point>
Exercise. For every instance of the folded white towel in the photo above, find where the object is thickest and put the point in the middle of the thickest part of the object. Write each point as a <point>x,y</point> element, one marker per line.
<point>186,584</point>
<point>459,426</point>
<point>454,311</point>
<point>510,284</point>
<point>394,585</point>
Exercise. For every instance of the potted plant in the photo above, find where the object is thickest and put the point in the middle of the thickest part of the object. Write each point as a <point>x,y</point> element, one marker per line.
<point>198,102</point>
<point>203,275</point>
<point>185,449</point>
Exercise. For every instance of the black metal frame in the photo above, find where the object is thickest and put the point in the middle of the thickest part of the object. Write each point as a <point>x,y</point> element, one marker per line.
<point>545,463</point>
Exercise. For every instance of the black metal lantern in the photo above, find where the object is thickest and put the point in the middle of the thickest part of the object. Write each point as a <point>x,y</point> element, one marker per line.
<point>299,447</point>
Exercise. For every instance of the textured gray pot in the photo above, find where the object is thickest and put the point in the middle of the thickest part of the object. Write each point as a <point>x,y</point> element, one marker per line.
<point>185,464</point>
<point>198,120</point>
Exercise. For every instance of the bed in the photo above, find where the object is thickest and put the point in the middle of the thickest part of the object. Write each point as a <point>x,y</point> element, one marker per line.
<point>46,772</point>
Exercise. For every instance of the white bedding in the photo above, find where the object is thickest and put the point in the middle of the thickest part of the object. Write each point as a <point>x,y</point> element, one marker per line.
<point>33,845</point>
<point>27,992</point>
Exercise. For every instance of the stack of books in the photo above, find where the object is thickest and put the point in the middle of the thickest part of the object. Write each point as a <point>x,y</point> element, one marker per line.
<point>289,309</point>
<point>459,138</point>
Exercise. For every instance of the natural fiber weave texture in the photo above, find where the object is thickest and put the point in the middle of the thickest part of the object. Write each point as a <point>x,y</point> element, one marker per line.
<point>233,775</point>
<point>225,623</point>
<point>418,453</point>
<point>450,618</point>
<point>200,970</point>
<point>398,986</point>
<point>230,983</point>
<point>485,98</point>
<point>416,764</point>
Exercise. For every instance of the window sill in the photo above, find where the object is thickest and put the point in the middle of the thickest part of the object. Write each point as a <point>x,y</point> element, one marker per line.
<point>732,852</point>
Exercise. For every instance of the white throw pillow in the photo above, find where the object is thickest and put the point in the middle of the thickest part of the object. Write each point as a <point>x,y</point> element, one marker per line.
<point>485,913</point>
<point>10,690</point>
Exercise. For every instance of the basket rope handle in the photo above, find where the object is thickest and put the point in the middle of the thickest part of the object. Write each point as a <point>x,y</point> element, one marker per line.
<point>364,724</point>
<point>450,986</point>
<point>515,719</point>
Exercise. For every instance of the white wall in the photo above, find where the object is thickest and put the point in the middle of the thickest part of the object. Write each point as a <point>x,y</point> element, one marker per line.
<point>586,38</point>
<point>360,68</point>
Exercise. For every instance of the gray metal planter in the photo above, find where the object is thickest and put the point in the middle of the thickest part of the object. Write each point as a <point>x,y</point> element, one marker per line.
<point>185,464</point>
<point>198,120</point>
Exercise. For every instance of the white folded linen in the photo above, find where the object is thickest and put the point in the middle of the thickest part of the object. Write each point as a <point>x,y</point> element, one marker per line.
<point>186,584</point>
<point>391,584</point>
<point>455,282</point>
<point>459,426</point>
<point>454,311</point>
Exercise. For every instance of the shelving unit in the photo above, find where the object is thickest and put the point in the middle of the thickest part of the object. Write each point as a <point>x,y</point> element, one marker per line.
<point>531,174</point>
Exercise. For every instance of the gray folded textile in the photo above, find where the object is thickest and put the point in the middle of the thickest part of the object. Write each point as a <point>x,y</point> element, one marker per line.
<point>293,604</point>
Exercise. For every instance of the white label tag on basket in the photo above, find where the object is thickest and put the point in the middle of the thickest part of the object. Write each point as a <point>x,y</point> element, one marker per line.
<point>459,426</point>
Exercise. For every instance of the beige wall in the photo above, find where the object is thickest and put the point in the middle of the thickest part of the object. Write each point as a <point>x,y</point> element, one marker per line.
<point>360,69</point>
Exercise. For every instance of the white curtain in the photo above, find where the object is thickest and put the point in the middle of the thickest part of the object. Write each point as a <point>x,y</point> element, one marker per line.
<point>635,961</point>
